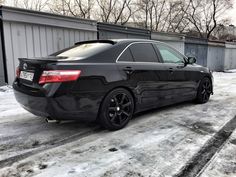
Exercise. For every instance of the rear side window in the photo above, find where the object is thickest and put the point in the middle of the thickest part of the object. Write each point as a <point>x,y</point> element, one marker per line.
<point>143,52</point>
<point>126,56</point>
<point>83,50</point>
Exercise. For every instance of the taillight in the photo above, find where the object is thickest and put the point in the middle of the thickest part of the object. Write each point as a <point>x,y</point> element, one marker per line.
<point>18,72</point>
<point>53,76</point>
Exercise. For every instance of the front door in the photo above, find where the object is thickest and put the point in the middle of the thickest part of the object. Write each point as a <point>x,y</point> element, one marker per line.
<point>182,84</point>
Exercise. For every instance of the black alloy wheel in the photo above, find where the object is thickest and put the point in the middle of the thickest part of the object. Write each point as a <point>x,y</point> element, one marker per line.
<point>204,91</point>
<point>117,109</point>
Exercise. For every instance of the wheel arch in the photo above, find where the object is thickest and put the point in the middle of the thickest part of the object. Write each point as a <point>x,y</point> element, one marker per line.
<point>117,87</point>
<point>208,77</point>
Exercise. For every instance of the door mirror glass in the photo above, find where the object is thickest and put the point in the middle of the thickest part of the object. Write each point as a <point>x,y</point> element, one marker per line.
<point>192,60</point>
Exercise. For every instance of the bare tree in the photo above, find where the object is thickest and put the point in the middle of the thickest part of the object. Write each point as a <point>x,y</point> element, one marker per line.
<point>179,12</point>
<point>145,9</point>
<point>115,11</point>
<point>126,15</point>
<point>2,2</point>
<point>38,5</point>
<point>204,15</point>
<point>163,15</point>
<point>58,7</point>
<point>122,12</point>
<point>195,16</point>
<point>158,12</point>
<point>15,3</point>
<point>80,8</point>
<point>105,9</point>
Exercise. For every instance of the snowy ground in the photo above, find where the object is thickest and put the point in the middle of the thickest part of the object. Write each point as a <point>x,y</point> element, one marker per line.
<point>224,162</point>
<point>156,143</point>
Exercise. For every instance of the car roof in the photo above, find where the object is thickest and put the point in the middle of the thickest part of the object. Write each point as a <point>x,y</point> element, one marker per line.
<point>115,41</point>
<point>131,40</point>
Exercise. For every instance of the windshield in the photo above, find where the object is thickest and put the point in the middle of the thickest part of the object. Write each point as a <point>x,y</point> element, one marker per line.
<point>83,50</point>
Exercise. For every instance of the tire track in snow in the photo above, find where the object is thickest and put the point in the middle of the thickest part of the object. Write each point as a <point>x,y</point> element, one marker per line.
<point>49,145</point>
<point>201,159</point>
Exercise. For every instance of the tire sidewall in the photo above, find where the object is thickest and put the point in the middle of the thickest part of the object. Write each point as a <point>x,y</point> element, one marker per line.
<point>103,119</point>
<point>199,95</point>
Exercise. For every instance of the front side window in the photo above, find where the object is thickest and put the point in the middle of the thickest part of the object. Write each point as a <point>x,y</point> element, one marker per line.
<point>143,52</point>
<point>169,55</point>
<point>83,50</point>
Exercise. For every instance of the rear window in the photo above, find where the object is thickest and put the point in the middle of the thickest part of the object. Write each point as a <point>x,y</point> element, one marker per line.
<point>83,50</point>
<point>143,52</point>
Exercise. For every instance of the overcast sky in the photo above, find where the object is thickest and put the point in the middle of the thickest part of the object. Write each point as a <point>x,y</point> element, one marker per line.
<point>232,14</point>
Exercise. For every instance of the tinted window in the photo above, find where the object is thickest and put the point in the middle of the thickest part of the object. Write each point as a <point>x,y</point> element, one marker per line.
<point>169,55</point>
<point>83,50</point>
<point>143,52</point>
<point>126,56</point>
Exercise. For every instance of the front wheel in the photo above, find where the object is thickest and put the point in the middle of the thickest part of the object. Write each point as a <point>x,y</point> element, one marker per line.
<point>117,109</point>
<point>204,90</point>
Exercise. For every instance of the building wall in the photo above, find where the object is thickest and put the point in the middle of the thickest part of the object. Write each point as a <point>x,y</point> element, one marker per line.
<point>35,34</point>
<point>29,34</point>
<point>176,44</point>
<point>2,77</point>
<point>174,40</point>
<point>111,31</point>
<point>198,48</point>
<point>216,56</point>
<point>119,35</point>
<point>230,56</point>
<point>29,40</point>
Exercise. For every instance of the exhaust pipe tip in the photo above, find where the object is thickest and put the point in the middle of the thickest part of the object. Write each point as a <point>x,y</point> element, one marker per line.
<point>48,120</point>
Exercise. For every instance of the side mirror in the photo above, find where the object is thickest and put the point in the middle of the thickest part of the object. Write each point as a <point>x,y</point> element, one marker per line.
<point>191,60</point>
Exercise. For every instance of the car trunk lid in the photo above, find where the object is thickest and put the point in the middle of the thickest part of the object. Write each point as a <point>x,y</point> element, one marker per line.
<point>30,69</point>
<point>35,73</point>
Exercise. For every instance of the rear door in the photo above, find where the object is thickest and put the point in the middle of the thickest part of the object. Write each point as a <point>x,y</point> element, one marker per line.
<point>182,77</point>
<point>141,69</point>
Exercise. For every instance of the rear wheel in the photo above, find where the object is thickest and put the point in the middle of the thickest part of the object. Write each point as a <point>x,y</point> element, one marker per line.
<point>116,109</point>
<point>204,90</point>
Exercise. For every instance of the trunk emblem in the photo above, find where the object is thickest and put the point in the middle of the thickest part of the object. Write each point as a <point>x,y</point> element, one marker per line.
<point>25,66</point>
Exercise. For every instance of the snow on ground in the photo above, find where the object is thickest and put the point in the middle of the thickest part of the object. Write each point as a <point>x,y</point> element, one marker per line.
<point>8,106</point>
<point>224,162</point>
<point>156,143</point>
<point>21,132</point>
<point>230,71</point>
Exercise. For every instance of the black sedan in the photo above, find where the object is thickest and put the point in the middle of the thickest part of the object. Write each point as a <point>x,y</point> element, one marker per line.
<point>109,81</point>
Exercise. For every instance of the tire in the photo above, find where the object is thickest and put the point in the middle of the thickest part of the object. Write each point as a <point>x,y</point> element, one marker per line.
<point>116,109</point>
<point>204,91</point>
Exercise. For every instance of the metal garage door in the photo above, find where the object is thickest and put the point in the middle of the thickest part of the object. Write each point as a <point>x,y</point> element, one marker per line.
<point>2,78</point>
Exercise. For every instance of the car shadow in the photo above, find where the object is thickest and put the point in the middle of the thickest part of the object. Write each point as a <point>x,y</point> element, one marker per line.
<point>164,108</point>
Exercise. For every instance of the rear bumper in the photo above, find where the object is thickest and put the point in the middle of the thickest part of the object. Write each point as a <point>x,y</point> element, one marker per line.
<point>64,107</point>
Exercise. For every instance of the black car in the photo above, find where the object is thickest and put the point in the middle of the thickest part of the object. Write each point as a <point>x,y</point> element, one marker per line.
<point>109,81</point>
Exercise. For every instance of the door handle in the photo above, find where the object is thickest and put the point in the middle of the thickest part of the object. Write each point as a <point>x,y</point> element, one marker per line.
<point>128,70</point>
<point>180,67</point>
<point>171,70</point>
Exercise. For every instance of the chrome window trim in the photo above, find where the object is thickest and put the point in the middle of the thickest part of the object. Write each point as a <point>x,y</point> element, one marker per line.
<point>145,42</point>
<point>138,62</point>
